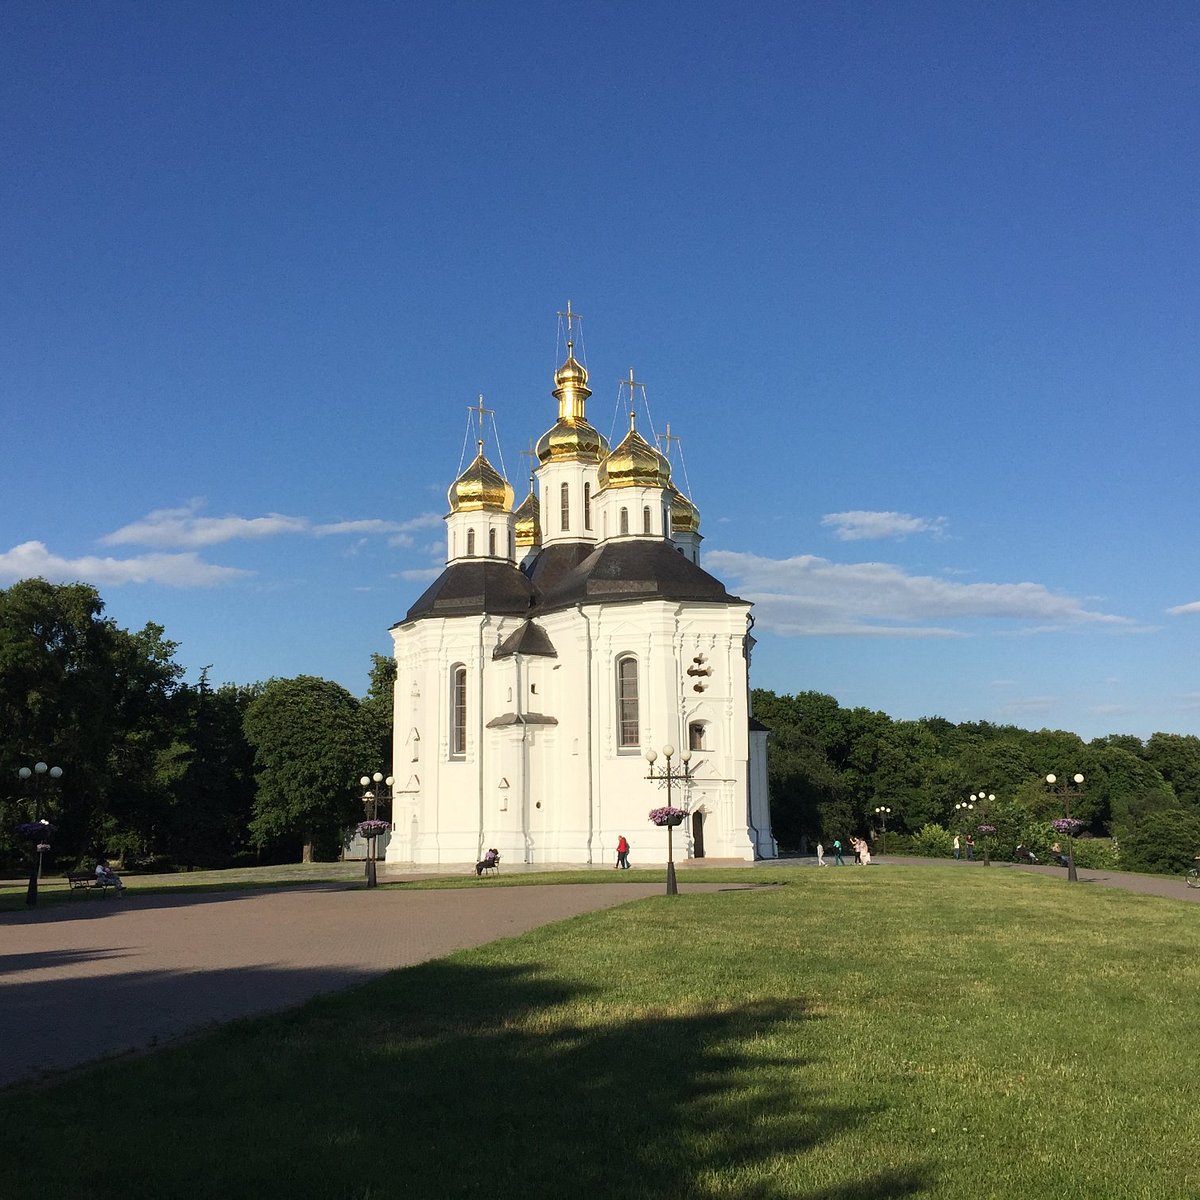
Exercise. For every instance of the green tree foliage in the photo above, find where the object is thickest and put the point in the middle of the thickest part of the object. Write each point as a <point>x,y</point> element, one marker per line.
<point>311,743</point>
<point>1164,842</point>
<point>86,695</point>
<point>830,768</point>
<point>377,711</point>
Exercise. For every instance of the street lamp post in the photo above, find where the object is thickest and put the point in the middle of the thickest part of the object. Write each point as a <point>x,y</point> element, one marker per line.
<point>670,774</point>
<point>1065,790</point>
<point>883,812</point>
<point>372,826</point>
<point>982,801</point>
<point>35,778</point>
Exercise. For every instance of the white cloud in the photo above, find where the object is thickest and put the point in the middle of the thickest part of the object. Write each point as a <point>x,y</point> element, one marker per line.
<point>186,527</point>
<point>420,576</point>
<point>1180,609</point>
<point>183,527</point>
<point>811,595</point>
<point>174,570</point>
<point>862,526</point>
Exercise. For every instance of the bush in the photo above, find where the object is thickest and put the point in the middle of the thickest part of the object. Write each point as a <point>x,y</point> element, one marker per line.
<point>931,841</point>
<point>1164,843</point>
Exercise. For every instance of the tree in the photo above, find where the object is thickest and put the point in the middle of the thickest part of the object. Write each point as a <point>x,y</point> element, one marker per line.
<point>377,711</point>
<point>310,745</point>
<point>94,698</point>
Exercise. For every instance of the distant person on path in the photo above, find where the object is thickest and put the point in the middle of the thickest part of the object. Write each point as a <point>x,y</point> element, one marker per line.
<point>106,875</point>
<point>970,847</point>
<point>856,846</point>
<point>622,854</point>
<point>864,852</point>
<point>821,856</point>
<point>838,861</point>
<point>957,847</point>
<point>1056,850</point>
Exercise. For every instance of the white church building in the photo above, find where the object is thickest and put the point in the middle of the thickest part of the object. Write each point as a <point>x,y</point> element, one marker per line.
<point>563,640</point>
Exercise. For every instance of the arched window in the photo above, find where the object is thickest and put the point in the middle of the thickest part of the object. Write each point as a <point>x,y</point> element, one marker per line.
<point>587,506</point>
<point>458,711</point>
<point>667,530</point>
<point>696,736</point>
<point>511,549</point>
<point>470,541</point>
<point>564,504</point>
<point>646,519</point>
<point>627,703</point>
<point>491,543</point>
<point>624,520</point>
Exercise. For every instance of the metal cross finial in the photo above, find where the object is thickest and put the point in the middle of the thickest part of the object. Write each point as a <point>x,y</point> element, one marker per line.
<point>632,384</point>
<point>571,318</point>
<point>480,413</point>
<point>530,454</point>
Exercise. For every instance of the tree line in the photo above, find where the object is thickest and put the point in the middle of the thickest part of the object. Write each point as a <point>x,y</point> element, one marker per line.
<point>830,768</point>
<point>159,771</point>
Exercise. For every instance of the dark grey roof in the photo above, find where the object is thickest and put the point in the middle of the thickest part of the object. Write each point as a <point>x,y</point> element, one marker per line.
<point>757,726</point>
<point>566,574</point>
<point>639,569</point>
<point>480,586</point>
<point>528,639</point>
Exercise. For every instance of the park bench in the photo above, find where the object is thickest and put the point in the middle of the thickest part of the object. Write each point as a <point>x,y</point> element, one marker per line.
<point>84,881</point>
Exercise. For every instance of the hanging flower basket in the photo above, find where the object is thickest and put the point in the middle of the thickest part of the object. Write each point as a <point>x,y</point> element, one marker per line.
<point>987,830</point>
<point>668,816</point>
<point>1067,826</point>
<point>372,829</point>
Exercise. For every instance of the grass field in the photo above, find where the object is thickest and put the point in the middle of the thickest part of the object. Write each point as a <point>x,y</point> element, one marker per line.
<point>884,1033</point>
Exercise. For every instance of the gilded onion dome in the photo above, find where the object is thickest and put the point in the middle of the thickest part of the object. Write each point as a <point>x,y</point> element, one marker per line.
<point>571,439</point>
<point>685,516</point>
<point>634,463</point>
<point>480,486</point>
<point>527,529</point>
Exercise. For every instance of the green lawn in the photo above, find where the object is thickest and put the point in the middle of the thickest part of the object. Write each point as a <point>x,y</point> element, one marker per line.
<point>882,1033</point>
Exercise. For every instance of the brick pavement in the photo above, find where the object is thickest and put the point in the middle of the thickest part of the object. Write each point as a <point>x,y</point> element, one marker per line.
<point>85,980</point>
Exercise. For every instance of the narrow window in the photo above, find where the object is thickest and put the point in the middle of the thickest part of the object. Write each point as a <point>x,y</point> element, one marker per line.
<point>696,736</point>
<point>587,506</point>
<point>458,711</point>
<point>564,507</point>
<point>627,703</point>
<point>470,541</point>
<point>624,520</point>
<point>491,543</point>
<point>511,550</point>
<point>646,519</point>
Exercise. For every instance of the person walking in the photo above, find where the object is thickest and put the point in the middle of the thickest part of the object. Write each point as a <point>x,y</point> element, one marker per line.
<point>957,847</point>
<point>622,854</point>
<point>821,856</point>
<point>838,861</point>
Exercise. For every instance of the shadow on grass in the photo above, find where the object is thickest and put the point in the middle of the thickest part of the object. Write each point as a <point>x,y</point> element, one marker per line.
<point>450,1079</point>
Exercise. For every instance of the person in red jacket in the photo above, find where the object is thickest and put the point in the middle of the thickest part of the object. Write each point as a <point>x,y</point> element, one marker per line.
<point>622,854</point>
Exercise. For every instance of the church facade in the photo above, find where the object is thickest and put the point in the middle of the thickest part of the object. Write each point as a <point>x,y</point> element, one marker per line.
<point>565,638</point>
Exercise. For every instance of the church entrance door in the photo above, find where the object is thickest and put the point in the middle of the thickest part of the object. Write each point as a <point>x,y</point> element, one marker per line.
<point>697,835</point>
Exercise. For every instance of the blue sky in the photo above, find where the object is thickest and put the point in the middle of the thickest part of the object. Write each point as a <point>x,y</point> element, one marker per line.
<point>916,283</point>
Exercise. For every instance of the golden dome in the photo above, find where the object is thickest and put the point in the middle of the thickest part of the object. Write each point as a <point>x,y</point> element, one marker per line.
<point>571,439</point>
<point>480,486</point>
<point>634,463</point>
<point>527,528</point>
<point>574,441</point>
<point>685,516</point>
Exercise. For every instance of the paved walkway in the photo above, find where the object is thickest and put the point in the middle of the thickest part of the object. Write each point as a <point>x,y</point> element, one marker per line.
<point>97,977</point>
